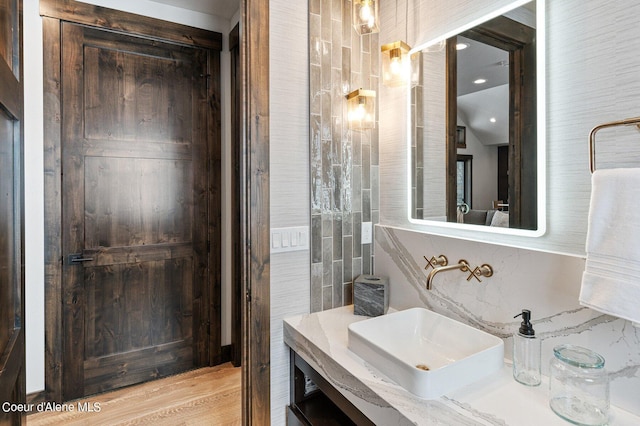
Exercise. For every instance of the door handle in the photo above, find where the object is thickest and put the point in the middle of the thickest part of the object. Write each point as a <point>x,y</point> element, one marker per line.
<point>77,258</point>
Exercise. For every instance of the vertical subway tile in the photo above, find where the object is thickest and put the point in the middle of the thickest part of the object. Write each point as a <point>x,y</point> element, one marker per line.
<point>326,162</point>
<point>336,139</point>
<point>375,55</point>
<point>419,195</point>
<point>366,167</point>
<point>347,258</point>
<point>347,224</point>
<point>315,39</point>
<point>325,14</point>
<point>327,297</point>
<point>315,89</point>
<point>327,262</point>
<point>337,99</point>
<point>355,52</point>
<point>347,298</point>
<point>419,113</point>
<point>316,238</point>
<point>366,259</point>
<point>346,71</point>
<point>357,267</point>
<point>325,63</point>
<point>337,283</point>
<point>337,237</point>
<point>356,148</point>
<point>357,235</point>
<point>356,189</point>
<point>374,146</point>
<point>344,185</point>
<point>375,219</point>
<point>365,70</point>
<point>336,41</point>
<point>365,43</point>
<point>326,200</point>
<point>356,81</point>
<point>316,287</point>
<point>419,140</point>
<point>366,205</point>
<point>375,188</point>
<point>336,10</point>
<point>346,23</point>
<point>315,163</point>
<point>337,187</point>
<point>314,6</point>
<point>326,116</point>
<point>327,224</point>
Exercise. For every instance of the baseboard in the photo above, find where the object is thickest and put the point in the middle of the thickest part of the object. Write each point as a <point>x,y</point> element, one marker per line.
<point>225,353</point>
<point>36,397</point>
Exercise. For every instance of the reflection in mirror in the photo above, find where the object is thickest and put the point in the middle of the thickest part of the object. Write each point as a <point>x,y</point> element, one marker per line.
<point>474,120</point>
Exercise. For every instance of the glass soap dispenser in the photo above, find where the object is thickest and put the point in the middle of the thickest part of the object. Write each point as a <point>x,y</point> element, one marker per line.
<point>526,352</point>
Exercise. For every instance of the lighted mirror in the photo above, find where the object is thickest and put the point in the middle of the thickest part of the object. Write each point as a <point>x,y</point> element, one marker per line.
<point>477,125</point>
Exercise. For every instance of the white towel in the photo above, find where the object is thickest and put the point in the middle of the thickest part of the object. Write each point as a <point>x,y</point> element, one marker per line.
<point>611,280</point>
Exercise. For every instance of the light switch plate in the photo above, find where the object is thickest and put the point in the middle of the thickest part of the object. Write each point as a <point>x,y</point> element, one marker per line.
<point>367,233</point>
<point>289,239</point>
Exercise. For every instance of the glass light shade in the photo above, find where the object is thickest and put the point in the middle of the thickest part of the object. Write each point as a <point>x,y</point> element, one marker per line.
<point>365,16</point>
<point>361,109</point>
<point>396,63</point>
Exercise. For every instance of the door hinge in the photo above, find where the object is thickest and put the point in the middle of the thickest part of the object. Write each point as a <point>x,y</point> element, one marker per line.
<point>248,296</point>
<point>207,78</point>
<point>207,324</point>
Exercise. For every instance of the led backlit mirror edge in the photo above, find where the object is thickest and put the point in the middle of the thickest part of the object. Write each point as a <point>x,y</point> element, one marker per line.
<point>541,127</point>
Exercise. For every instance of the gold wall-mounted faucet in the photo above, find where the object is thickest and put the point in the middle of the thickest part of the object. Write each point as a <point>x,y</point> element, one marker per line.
<point>462,265</point>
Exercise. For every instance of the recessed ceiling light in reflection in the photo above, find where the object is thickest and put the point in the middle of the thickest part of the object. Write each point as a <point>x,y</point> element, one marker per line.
<point>480,81</point>
<point>492,119</point>
<point>462,46</point>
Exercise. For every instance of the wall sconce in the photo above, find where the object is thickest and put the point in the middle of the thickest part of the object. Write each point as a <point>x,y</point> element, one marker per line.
<point>361,109</point>
<point>397,65</point>
<point>365,16</point>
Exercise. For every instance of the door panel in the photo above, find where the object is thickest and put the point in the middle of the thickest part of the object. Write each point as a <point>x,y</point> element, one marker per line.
<point>12,374</point>
<point>134,204</point>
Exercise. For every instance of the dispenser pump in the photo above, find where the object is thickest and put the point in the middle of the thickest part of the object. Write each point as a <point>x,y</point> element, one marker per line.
<point>526,352</point>
<point>526,329</point>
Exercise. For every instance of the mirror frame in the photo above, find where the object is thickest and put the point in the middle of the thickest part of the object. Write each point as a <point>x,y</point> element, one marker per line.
<point>540,125</point>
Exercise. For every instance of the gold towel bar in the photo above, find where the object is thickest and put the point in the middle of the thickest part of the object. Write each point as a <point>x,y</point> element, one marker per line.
<point>592,137</point>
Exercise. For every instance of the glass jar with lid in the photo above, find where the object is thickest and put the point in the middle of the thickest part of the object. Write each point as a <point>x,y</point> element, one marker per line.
<point>579,386</point>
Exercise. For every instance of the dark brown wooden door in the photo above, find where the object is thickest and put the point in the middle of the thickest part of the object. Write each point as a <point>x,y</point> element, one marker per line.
<point>135,214</point>
<point>12,373</point>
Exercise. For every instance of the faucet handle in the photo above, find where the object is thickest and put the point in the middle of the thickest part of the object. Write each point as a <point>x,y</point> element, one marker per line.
<point>434,262</point>
<point>481,271</point>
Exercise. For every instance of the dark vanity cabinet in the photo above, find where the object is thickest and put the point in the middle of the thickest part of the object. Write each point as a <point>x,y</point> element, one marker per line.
<point>314,401</point>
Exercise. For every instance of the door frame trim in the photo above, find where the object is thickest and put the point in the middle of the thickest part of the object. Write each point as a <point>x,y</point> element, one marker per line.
<point>53,12</point>
<point>255,227</point>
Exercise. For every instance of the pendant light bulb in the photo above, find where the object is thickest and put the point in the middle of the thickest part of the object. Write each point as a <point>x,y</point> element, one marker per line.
<point>395,64</point>
<point>365,16</point>
<point>365,12</point>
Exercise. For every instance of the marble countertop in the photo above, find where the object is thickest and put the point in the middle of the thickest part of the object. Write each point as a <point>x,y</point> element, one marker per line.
<point>321,340</point>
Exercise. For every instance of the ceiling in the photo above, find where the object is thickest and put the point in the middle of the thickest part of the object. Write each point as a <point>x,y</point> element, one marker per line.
<point>224,8</point>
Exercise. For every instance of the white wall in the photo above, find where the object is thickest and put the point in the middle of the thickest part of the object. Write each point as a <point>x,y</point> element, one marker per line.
<point>289,179</point>
<point>34,177</point>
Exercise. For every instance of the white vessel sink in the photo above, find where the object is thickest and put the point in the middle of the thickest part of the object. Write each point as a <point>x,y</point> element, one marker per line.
<point>403,344</point>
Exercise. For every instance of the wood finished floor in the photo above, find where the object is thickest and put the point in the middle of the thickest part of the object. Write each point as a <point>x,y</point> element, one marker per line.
<point>208,396</point>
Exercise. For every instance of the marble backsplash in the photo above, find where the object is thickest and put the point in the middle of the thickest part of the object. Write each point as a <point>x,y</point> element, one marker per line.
<point>546,283</point>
